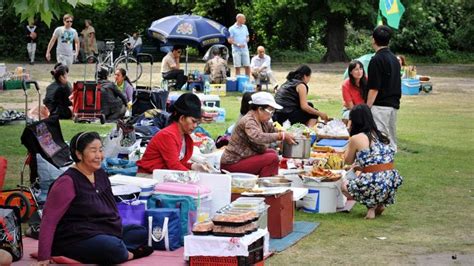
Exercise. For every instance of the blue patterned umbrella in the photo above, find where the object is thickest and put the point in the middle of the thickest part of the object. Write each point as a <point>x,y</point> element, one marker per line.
<point>189,30</point>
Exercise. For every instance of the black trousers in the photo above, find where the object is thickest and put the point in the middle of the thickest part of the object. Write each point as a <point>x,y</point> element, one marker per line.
<point>178,75</point>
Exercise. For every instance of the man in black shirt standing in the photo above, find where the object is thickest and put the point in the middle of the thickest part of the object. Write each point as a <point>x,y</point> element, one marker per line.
<point>384,84</point>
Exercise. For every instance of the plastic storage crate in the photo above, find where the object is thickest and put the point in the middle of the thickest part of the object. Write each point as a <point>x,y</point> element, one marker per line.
<point>255,257</point>
<point>218,89</point>
<point>14,85</point>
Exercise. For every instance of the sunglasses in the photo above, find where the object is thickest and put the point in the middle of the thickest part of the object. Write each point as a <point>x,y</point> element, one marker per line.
<point>68,21</point>
<point>269,111</point>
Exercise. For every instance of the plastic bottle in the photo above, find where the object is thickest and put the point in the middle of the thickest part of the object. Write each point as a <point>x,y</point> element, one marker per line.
<point>207,87</point>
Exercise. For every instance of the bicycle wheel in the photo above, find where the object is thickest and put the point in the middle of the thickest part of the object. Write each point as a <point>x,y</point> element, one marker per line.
<point>130,64</point>
<point>20,200</point>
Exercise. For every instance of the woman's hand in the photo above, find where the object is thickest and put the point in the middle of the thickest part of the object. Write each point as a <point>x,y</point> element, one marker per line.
<point>323,116</point>
<point>199,167</point>
<point>289,138</point>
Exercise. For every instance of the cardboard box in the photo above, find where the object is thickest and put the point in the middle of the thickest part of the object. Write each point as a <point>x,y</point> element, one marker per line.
<point>280,214</point>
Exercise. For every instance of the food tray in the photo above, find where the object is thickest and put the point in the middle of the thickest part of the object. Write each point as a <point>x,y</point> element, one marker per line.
<point>229,234</point>
<point>232,224</point>
<point>205,233</point>
<point>330,137</point>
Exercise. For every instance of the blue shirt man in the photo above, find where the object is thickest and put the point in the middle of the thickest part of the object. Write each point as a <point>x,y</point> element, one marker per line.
<point>239,37</point>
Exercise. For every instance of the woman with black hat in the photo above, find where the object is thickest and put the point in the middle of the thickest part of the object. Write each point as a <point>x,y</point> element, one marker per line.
<point>172,147</point>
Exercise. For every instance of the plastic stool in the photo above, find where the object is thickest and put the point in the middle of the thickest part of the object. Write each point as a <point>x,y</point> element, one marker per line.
<point>168,84</point>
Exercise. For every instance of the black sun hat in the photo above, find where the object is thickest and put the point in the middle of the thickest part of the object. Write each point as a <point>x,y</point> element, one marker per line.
<point>188,104</point>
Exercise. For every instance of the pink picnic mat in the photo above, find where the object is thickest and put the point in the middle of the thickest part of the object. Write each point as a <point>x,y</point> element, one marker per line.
<point>171,258</point>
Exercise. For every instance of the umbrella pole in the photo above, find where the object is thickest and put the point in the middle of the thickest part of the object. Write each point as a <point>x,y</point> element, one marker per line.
<point>186,65</point>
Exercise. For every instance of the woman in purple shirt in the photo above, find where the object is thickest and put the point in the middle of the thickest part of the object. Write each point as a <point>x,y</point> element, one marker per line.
<point>80,218</point>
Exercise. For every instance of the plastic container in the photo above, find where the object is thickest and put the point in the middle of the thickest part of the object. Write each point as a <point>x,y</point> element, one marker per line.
<point>192,190</point>
<point>210,100</point>
<point>241,80</point>
<point>221,116</point>
<point>410,86</point>
<point>218,89</point>
<point>243,180</point>
<point>322,197</point>
<point>248,87</point>
<point>231,85</point>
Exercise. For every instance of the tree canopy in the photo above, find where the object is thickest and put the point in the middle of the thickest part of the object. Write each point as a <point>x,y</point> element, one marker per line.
<point>337,29</point>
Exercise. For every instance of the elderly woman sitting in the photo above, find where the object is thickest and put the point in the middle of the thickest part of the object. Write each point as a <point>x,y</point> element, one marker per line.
<point>80,217</point>
<point>247,151</point>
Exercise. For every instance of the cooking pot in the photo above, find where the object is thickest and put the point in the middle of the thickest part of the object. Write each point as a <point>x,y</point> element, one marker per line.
<point>300,150</point>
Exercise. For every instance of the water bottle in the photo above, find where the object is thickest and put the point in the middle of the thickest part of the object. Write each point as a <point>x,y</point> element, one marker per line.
<point>207,87</point>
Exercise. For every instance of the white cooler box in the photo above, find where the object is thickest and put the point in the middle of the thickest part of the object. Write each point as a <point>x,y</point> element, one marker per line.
<point>323,197</point>
<point>210,100</point>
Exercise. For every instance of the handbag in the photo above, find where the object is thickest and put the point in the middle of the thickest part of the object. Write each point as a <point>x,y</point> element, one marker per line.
<point>132,212</point>
<point>164,228</point>
<point>10,228</point>
<point>185,205</point>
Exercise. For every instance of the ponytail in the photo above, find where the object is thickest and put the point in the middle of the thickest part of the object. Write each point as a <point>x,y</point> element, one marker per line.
<point>58,71</point>
<point>299,73</point>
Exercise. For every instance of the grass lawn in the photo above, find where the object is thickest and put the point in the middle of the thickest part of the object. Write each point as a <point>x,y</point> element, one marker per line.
<point>433,215</point>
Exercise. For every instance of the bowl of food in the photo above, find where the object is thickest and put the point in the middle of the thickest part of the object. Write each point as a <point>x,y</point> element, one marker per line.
<point>243,180</point>
<point>274,182</point>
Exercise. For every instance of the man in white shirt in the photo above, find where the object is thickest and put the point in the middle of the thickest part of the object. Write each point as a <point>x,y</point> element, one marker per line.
<point>170,67</point>
<point>261,70</point>
<point>66,37</point>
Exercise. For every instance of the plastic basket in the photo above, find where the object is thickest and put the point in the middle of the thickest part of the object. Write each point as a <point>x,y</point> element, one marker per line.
<point>218,89</point>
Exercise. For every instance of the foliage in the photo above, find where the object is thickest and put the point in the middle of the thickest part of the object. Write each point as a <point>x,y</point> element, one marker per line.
<point>418,34</point>
<point>47,9</point>
<point>463,37</point>
<point>358,42</point>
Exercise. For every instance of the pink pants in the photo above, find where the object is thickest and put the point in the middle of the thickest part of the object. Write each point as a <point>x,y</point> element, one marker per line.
<point>263,165</point>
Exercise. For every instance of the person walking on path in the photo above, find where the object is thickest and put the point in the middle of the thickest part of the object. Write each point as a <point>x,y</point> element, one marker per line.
<point>239,37</point>
<point>88,39</point>
<point>384,84</point>
<point>66,36</point>
<point>31,38</point>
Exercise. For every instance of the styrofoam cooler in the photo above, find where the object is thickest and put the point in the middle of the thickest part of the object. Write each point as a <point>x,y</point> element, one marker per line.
<point>410,86</point>
<point>323,197</point>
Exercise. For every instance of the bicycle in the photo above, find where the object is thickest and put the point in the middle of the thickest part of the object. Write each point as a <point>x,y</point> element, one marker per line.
<point>125,60</point>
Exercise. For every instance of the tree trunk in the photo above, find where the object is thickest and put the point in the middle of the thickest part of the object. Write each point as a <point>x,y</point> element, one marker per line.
<point>335,39</point>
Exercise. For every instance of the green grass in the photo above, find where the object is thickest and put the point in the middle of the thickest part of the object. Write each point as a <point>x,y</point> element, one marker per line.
<point>434,209</point>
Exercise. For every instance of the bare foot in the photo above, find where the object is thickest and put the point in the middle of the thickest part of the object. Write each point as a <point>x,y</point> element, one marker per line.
<point>379,209</point>
<point>370,214</point>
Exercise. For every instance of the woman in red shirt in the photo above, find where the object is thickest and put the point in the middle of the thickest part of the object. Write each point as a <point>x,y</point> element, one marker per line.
<point>353,88</point>
<point>172,147</point>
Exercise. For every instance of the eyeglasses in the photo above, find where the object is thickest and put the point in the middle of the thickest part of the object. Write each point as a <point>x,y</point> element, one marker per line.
<point>269,111</point>
<point>68,21</point>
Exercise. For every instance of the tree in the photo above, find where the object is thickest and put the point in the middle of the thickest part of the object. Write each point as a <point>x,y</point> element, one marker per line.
<point>47,9</point>
<point>337,13</point>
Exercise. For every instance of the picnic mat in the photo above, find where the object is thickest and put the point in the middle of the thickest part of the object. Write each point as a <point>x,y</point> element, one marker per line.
<point>300,230</point>
<point>172,258</point>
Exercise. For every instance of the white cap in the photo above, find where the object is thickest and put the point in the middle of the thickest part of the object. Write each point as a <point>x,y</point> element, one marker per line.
<point>264,98</point>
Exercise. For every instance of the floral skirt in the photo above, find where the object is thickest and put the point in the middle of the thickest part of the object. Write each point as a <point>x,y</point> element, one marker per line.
<point>372,189</point>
